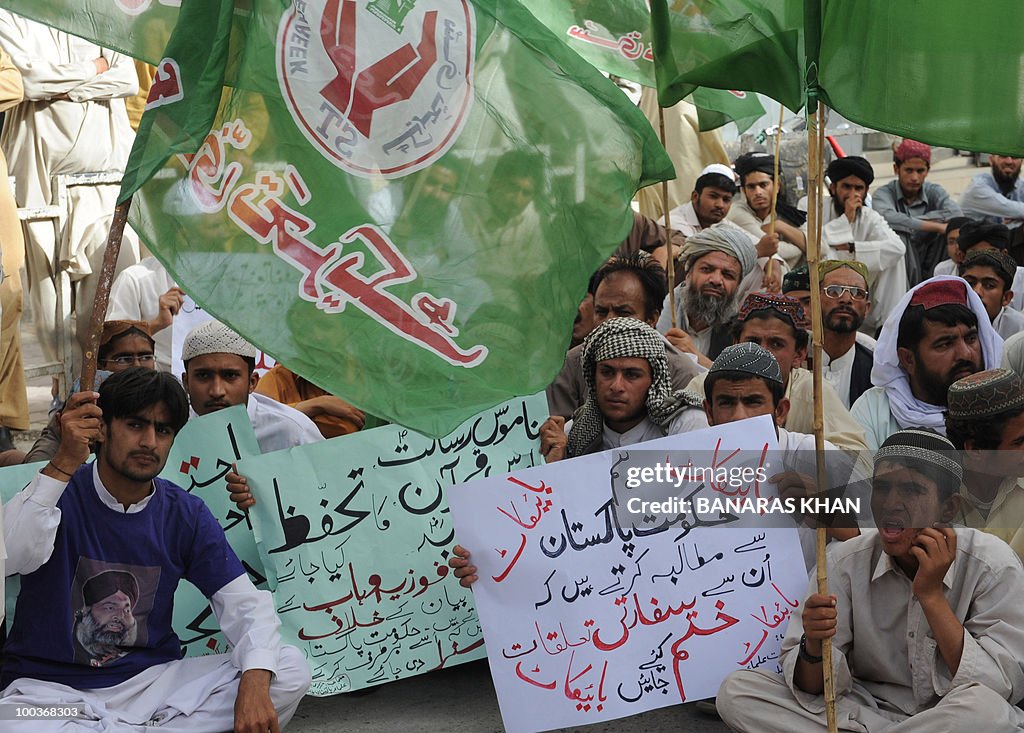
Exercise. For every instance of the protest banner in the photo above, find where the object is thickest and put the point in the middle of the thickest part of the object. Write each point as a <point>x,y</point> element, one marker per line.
<point>355,535</point>
<point>595,607</point>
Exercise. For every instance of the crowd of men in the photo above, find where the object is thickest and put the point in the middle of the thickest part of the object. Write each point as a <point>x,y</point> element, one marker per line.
<point>921,304</point>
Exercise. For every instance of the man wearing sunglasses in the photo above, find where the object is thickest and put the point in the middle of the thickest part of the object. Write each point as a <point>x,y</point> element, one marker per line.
<point>845,302</point>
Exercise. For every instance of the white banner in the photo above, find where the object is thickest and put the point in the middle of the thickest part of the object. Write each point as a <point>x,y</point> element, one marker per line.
<point>592,611</point>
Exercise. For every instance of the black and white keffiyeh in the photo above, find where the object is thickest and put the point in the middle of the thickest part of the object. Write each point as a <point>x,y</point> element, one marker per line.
<point>619,338</point>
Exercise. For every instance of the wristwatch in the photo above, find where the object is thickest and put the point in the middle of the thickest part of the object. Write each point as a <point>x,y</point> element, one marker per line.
<point>806,655</point>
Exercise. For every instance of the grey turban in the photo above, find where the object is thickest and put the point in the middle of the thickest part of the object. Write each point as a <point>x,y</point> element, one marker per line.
<point>718,238</point>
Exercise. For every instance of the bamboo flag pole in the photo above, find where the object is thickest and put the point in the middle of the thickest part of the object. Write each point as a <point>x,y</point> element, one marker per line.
<point>815,166</point>
<point>99,305</point>
<point>670,263</point>
<point>775,185</point>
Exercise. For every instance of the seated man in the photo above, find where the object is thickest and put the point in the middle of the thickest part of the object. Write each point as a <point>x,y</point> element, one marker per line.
<point>845,303</point>
<point>938,333</point>
<point>917,210</point>
<point>990,274</point>
<point>624,287</point>
<point>709,202</point>
<point>101,549</point>
<point>123,345</point>
<point>985,422</point>
<point>708,208</point>
<point>753,211</point>
<point>955,256</point>
<point>926,622</point>
<point>220,372</point>
<point>997,196</point>
<point>852,231</point>
<point>770,321</point>
<point>630,398</point>
<point>717,261</point>
<point>974,236</point>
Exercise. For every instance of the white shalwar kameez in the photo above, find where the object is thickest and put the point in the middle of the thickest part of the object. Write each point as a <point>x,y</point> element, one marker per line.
<point>73,120</point>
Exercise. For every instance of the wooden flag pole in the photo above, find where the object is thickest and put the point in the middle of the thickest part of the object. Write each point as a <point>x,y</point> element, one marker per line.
<point>670,261</point>
<point>775,185</point>
<point>815,166</point>
<point>99,304</point>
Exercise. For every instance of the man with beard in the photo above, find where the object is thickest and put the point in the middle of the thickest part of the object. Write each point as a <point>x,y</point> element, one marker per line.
<point>916,210</point>
<point>105,627</point>
<point>846,300</point>
<point>717,261</point>
<point>752,211</point>
<point>852,231</point>
<point>220,372</point>
<point>77,518</point>
<point>938,333</point>
<point>925,621</point>
<point>624,287</point>
<point>998,197</point>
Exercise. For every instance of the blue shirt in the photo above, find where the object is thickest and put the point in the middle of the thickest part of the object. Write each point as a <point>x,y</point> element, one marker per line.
<point>99,610</point>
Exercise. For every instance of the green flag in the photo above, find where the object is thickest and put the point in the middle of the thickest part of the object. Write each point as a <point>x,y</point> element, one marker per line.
<point>401,200</point>
<point>752,45</point>
<point>897,67</point>
<point>940,74</point>
<point>615,36</point>
<point>716,107</point>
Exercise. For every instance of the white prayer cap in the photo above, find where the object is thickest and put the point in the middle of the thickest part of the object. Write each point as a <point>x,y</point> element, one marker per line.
<point>213,337</point>
<point>720,169</point>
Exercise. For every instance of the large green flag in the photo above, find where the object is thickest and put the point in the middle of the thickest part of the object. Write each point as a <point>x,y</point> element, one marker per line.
<point>920,72</point>
<point>401,200</point>
<point>939,73</point>
<point>615,36</point>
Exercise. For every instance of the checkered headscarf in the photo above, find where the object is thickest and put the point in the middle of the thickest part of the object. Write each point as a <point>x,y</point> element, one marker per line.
<point>619,338</point>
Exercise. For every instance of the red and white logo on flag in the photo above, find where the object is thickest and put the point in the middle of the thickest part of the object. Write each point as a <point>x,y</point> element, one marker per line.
<point>380,88</point>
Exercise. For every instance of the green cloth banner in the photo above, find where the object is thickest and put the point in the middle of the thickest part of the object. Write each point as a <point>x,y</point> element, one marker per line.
<point>355,535</point>
<point>615,36</point>
<point>904,68</point>
<point>402,202</point>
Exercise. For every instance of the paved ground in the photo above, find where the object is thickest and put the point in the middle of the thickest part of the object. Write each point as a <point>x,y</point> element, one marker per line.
<point>462,699</point>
